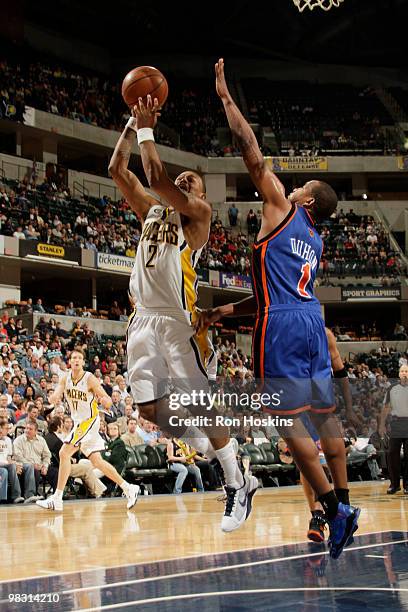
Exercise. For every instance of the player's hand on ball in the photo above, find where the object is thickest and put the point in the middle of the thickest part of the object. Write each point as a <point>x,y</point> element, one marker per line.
<point>146,114</point>
<point>220,82</point>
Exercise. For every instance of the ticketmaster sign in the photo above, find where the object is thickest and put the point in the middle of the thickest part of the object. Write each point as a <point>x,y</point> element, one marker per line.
<point>116,263</point>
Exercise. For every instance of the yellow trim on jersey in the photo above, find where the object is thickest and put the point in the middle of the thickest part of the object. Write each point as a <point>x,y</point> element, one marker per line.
<point>130,318</point>
<point>83,428</point>
<point>189,276</point>
<point>203,345</point>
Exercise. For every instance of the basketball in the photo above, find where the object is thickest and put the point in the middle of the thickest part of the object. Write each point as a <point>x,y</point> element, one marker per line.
<point>144,80</point>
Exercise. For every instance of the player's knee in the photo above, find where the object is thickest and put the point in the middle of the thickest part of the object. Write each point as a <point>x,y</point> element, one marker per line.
<point>334,452</point>
<point>96,460</point>
<point>65,451</point>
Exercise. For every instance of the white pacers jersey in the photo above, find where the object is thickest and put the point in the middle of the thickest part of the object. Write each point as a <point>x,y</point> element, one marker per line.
<point>164,276</point>
<point>82,403</point>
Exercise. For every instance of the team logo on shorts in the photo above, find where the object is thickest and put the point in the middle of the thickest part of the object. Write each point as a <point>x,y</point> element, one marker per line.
<point>311,232</point>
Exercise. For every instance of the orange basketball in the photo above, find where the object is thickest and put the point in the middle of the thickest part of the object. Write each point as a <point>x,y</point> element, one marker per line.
<point>144,80</point>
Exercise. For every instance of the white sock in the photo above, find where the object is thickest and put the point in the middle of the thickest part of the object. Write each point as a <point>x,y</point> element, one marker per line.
<point>58,494</point>
<point>226,456</point>
<point>199,441</point>
<point>125,487</point>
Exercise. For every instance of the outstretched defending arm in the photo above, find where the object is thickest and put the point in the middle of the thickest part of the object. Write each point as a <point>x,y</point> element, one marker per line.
<point>264,179</point>
<point>128,183</point>
<point>243,308</point>
<point>188,204</point>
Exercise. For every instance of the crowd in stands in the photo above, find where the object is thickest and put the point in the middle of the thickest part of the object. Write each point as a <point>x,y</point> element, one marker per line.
<point>313,119</point>
<point>358,246</point>
<point>354,245</point>
<point>32,364</point>
<point>306,118</point>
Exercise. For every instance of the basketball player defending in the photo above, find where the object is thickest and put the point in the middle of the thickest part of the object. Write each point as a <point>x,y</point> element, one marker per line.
<point>162,344</point>
<point>82,392</point>
<point>290,348</point>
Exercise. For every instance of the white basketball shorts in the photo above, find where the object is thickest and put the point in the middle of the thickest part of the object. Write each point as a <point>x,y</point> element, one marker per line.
<point>165,353</point>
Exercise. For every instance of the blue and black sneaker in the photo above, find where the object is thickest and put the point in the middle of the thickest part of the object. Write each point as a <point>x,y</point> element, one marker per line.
<point>342,528</point>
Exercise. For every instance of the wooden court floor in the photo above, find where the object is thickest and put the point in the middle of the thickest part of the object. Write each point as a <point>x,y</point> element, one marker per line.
<point>91,535</point>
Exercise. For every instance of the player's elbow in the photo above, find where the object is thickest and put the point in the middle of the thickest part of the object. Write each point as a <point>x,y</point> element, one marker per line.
<point>114,168</point>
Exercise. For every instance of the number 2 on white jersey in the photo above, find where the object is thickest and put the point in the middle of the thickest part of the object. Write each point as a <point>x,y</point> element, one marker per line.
<point>303,281</point>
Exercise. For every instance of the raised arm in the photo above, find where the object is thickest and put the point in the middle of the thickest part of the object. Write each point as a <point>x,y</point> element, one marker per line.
<point>266,182</point>
<point>103,398</point>
<point>190,205</point>
<point>128,183</point>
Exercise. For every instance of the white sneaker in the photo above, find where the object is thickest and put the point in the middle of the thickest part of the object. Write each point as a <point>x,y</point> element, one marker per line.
<point>238,504</point>
<point>131,495</point>
<point>32,499</point>
<point>51,503</point>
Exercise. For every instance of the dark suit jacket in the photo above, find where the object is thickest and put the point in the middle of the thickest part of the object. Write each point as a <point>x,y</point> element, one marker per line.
<point>116,454</point>
<point>54,444</point>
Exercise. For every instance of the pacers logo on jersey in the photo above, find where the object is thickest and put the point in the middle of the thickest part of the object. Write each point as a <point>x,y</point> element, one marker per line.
<point>160,232</point>
<point>76,394</point>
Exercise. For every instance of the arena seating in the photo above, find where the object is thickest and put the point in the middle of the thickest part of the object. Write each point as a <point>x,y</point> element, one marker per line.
<point>316,116</point>
<point>42,212</point>
<point>305,117</point>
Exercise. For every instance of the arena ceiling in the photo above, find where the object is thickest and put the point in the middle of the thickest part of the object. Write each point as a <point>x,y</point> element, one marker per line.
<point>363,32</point>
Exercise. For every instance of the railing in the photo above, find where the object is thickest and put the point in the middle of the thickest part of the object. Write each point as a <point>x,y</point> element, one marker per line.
<point>79,189</point>
<point>97,189</point>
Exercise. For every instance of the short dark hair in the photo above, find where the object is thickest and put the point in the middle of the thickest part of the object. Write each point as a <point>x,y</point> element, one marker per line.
<point>78,349</point>
<point>325,200</point>
<point>54,423</point>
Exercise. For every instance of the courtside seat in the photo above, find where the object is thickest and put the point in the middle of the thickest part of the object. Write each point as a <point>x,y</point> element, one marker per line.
<point>272,457</point>
<point>258,459</point>
<point>151,462</point>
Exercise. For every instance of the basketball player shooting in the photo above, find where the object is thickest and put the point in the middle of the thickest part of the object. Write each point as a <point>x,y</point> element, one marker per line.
<point>162,344</point>
<point>82,392</point>
<point>290,348</point>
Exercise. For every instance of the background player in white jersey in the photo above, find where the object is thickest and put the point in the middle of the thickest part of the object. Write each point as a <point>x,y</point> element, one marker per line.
<point>162,343</point>
<point>82,392</point>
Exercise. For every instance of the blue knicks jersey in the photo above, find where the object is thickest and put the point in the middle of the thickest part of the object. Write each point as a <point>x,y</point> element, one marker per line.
<point>286,261</point>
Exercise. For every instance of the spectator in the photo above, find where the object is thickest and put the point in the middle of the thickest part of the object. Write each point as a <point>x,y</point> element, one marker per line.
<point>124,420</point>
<point>114,314</point>
<point>10,468</point>
<point>178,455</point>
<point>5,413</point>
<point>131,437</point>
<point>115,452</point>
<point>39,306</point>
<point>34,371</point>
<point>32,417</point>
<point>233,215</point>
<point>70,311</point>
<point>118,406</point>
<point>30,448</point>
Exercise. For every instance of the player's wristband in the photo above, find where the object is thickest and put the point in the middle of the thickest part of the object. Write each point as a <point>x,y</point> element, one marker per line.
<point>144,134</point>
<point>340,373</point>
<point>131,124</point>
